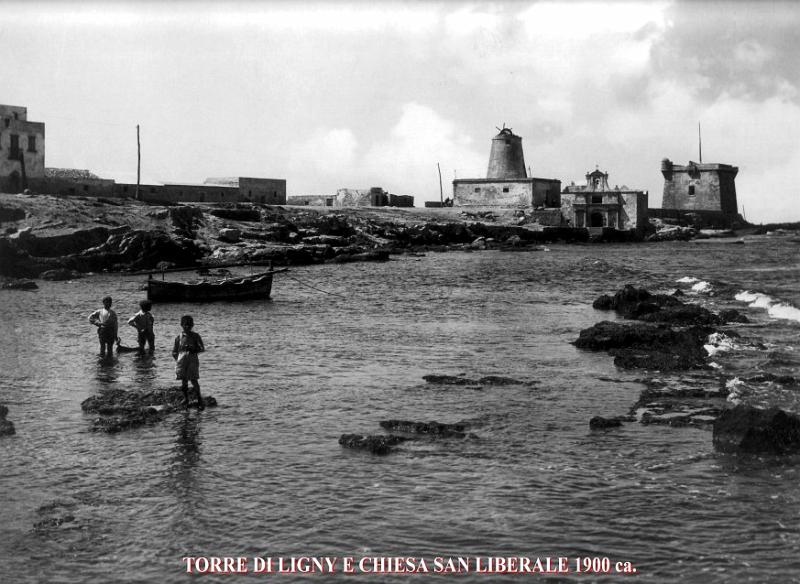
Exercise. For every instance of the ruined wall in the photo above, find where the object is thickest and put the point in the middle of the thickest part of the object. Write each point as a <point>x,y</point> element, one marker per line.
<point>312,200</point>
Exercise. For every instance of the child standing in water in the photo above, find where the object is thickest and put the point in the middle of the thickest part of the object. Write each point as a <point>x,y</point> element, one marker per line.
<point>142,321</point>
<point>106,322</point>
<point>187,366</point>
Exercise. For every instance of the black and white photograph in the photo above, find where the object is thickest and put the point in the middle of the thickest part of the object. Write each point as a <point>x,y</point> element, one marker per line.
<point>399,291</point>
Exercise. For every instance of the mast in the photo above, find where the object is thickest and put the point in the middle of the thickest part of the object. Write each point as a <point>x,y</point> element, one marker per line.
<point>138,162</point>
<point>441,192</point>
<point>699,143</point>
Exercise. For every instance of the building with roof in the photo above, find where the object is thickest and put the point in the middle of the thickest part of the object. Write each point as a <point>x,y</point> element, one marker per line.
<point>21,150</point>
<point>597,206</point>
<point>507,183</point>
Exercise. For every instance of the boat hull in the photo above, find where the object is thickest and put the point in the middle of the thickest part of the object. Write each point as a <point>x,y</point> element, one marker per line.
<point>246,288</point>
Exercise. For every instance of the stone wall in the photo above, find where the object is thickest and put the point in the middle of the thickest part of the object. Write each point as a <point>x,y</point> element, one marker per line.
<point>521,193</point>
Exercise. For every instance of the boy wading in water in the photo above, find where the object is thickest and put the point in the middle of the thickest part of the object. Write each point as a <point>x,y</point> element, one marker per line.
<point>142,321</point>
<point>187,366</point>
<point>106,322</point>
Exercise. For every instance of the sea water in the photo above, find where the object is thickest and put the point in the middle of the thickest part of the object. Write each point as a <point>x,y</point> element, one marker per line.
<point>341,347</point>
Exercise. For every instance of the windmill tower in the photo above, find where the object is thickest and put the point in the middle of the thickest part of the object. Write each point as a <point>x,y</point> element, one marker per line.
<point>506,160</point>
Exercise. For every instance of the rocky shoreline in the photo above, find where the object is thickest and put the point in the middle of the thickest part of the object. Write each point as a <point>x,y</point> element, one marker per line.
<point>61,238</point>
<point>661,333</point>
<point>52,237</point>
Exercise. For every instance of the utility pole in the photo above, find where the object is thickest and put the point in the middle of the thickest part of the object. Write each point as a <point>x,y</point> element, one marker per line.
<point>138,162</point>
<point>441,191</point>
<point>700,143</point>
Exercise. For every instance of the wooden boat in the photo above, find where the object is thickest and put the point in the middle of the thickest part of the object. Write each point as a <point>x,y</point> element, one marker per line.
<point>241,288</point>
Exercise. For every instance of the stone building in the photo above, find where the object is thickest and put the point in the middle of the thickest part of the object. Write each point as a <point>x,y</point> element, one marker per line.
<point>507,183</point>
<point>699,187</point>
<point>373,197</point>
<point>596,205</point>
<point>21,150</point>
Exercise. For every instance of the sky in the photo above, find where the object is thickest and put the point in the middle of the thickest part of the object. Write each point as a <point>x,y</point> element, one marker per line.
<point>332,94</point>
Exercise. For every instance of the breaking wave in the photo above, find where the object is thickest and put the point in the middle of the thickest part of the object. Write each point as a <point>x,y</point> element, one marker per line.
<point>775,308</point>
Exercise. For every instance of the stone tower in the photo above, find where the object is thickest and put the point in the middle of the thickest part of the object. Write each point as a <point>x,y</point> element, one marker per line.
<point>506,160</point>
<point>699,187</point>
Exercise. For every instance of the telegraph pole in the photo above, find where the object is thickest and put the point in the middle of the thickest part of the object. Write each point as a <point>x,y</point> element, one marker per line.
<point>138,162</point>
<point>441,192</point>
<point>700,143</point>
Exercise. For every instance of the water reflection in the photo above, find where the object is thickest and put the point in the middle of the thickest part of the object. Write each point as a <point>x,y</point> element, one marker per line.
<point>107,369</point>
<point>184,462</point>
<point>145,372</point>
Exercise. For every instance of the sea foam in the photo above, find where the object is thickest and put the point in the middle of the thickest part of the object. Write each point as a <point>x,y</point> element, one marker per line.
<point>774,308</point>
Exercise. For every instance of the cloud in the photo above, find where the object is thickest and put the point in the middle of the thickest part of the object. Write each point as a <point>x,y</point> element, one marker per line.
<point>405,161</point>
<point>328,154</point>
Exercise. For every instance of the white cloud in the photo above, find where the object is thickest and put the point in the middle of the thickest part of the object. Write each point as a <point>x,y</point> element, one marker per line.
<point>405,163</point>
<point>326,153</point>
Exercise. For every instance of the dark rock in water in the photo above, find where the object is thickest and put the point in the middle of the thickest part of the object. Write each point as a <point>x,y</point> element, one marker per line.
<point>368,256</point>
<point>376,444</point>
<point>60,275</point>
<point>650,346</point>
<point>53,522</point>
<point>732,315</point>
<point>694,406</point>
<point>760,378</point>
<point>429,428</point>
<point>681,315</point>
<point>601,423</point>
<point>447,379</point>
<point>752,430</point>
<point>122,410</point>
<point>604,302</point>
<point>20,284</point>
<point>487,380</point>
<point>6,427</point>
<point>497,380</point>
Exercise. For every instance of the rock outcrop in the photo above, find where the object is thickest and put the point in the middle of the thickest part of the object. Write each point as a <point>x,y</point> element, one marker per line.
<point>120,410</point>
<point>380,444</point>
<point>744,429</point>
<point>6,426</point>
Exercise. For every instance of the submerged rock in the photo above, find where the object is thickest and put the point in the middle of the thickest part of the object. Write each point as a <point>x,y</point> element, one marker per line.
<point>427,428</point>
<point>751,430</point>
<point>6,427</point>
<point>121,410</point>
<point>447,379</point>
<point>376,444</point>
<point>458,380</point>
<point>19,284</point>
<point>601,423</point>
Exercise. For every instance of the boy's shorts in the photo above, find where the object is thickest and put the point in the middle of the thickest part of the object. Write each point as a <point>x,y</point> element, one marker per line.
<point>187,366</point>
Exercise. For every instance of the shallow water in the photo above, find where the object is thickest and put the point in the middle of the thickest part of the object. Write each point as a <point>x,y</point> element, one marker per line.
<point>263,474</point>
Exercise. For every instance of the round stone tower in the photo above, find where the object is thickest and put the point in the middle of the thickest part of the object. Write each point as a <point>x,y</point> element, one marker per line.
<point>506,159</point>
